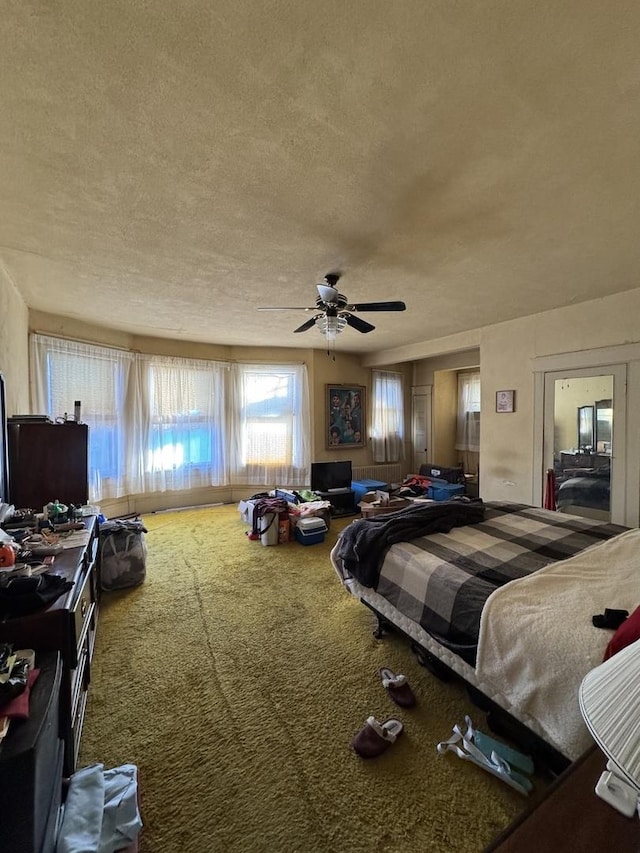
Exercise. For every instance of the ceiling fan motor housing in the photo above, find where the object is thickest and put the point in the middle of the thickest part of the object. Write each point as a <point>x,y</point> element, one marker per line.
<point>336,313</point>
<point>331,308</point>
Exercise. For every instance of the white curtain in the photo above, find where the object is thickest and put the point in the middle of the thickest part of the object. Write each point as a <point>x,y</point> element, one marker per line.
<point>182,423</point>
<point>387,420</point>
<point>166,424</point>
<point>269,428</point>
<point>468,421</point>
<point>64,371</point>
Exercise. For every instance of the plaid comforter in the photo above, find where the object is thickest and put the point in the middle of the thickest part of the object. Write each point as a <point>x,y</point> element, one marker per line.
<point>442,581</point>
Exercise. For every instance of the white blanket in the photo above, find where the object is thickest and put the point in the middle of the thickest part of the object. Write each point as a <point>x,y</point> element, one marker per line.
<point>537,640</point>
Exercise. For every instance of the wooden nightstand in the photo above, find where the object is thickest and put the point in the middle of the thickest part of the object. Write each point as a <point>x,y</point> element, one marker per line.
<point>570,817</point>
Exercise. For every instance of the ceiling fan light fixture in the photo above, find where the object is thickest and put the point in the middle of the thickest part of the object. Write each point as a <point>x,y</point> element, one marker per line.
<point>331,326</point>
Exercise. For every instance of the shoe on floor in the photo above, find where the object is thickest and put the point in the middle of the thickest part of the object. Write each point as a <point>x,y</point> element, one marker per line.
<point>376,737</point>
<point>398,688</point>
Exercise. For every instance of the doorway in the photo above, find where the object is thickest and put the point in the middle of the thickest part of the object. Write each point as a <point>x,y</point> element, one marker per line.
<point>421,415</point>
<point>585,440</point>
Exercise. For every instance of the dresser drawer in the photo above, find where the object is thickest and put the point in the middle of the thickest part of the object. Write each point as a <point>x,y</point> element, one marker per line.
<point>77,718</point>
<point>82,618</point>
<point>79,678</point>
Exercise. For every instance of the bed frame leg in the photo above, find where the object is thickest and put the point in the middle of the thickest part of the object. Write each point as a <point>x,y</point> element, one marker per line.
<point>430,662</point>
<point>381,627</point>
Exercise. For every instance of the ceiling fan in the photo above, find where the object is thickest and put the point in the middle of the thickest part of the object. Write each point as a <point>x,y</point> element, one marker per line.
<point>335,312</point>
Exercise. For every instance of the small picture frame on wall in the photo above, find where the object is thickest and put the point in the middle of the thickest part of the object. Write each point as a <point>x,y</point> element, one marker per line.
<point>345,423</point>
<point>505,401</point>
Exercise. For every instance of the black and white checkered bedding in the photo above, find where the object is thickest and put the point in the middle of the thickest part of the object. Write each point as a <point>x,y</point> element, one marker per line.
<point>442,580</point>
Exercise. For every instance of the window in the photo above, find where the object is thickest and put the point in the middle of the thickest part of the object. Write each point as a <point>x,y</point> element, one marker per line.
<point>271,442</point>
<point>387,422</point>
<point>65,371</point>
<point>468,420</point>
<point>158,423</point>
<point>184,435</point>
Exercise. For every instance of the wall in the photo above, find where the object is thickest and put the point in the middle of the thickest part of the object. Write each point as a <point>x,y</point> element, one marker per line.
<point>322,370</point>
<point>570,395</point>
<point>445,407</point>
<point>441,372</point>
<point>508,353</point>
<point>14,352</point>
<point>425,369</point>
<point>507,357</point>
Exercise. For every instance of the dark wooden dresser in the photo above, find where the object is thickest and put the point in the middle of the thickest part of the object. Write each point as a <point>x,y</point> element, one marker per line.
<point>68,625</point>
<point>31,760</point>
<point>571,817</point>
<point>48,462</point>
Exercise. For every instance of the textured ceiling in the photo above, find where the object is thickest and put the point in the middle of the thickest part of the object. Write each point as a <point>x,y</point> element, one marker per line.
<point>167,167</point>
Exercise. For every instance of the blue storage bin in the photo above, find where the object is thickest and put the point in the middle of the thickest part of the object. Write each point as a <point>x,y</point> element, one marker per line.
<point>311,537</point>
<point>442,491</point>
<point>361,487</point>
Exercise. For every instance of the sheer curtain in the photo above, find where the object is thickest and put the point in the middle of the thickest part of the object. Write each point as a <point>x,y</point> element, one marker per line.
<point>269,424</point>
<point>387,421</point>
<point>182,423</point>
<point>159,424</point>
<point>63,371</point>
<point>468,421</point>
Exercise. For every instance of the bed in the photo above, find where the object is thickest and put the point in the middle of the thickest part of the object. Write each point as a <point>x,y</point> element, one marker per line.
<point>501,595</point>
<point>588,488</point>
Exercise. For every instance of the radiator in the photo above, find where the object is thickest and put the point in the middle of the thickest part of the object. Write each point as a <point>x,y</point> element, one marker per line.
<point>385,473</point>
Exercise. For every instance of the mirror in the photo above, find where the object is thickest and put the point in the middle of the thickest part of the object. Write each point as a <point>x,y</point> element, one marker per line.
<point>585,428</point>
<point>604,420</point>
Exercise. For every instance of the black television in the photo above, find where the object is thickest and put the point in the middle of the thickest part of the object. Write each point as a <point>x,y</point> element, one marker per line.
<point>327,476</point>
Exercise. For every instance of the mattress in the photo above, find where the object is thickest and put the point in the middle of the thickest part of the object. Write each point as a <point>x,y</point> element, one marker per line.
<point>442,580</point>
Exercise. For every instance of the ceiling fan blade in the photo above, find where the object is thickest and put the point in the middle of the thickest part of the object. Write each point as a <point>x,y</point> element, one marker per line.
<point>378,306</point>
<point>307,325</point>
<point>357,323</point>
<point>287,308</point>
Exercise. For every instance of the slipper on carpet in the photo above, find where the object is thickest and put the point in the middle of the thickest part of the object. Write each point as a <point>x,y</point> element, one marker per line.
<point>375,737</point>
<point>398,688</point>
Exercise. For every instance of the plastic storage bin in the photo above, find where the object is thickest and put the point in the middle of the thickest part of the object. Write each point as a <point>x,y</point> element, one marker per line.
<point>269,527</point>
<point>310,531</point>
<point>361,487</point>
<point>441,491</point>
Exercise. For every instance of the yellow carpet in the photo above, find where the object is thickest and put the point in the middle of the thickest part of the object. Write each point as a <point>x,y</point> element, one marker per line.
<point>235,678</point>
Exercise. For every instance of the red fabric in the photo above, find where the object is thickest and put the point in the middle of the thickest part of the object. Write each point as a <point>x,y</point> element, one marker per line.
<point>18,708</point>
<point>550,490</point>
<point>417,480</point>
<point>626,634</point>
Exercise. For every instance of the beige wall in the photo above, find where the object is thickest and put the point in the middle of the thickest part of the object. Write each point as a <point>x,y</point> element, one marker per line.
<point>507,358</point>
<point>441,373</point>
<point>573,393</point>
<point>507,354</point>
<point>322,370</point>
<point>445,409</point>
<point>14,346</point>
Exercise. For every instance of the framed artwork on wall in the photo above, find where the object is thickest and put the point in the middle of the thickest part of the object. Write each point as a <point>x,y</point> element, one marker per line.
<point>345,423</point>
<point>505,401</point>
